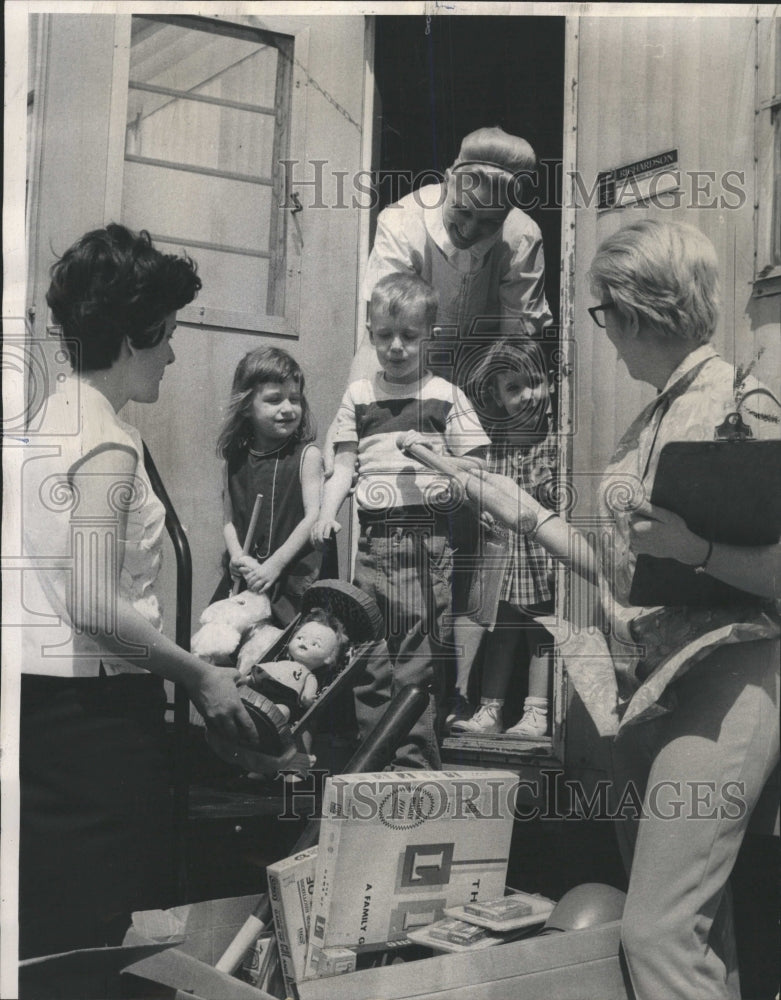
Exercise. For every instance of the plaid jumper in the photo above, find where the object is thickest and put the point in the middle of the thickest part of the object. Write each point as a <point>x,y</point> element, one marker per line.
<point>529,575</point>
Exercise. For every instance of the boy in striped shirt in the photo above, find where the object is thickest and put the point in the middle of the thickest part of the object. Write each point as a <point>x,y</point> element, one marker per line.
<point>408,518</point>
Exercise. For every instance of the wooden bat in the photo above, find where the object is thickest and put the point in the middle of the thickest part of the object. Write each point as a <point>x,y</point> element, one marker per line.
<point>253,523</point>
<point>513,507</point>
<point>490,492</point>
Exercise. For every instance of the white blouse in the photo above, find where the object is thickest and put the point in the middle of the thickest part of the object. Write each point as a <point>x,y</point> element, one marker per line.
<point>63,556</point>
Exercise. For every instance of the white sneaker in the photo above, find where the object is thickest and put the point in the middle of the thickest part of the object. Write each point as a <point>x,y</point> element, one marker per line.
<point>487,719</point>
<point>458,710</point>
<point>532,724</point>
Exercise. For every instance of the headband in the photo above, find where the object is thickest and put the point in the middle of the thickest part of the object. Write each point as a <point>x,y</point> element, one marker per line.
<point>482,163</point>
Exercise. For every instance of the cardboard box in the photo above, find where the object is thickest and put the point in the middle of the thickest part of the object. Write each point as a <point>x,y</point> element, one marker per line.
<point>572,965</point>
<point>203,931</point>
<point>398,847</point>
<point>568,966</point>
<point>290,886</point>
<point>85,973</point>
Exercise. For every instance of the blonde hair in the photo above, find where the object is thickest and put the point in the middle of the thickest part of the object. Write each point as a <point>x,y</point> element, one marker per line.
<point>667,272</point>
<point>405,292</point>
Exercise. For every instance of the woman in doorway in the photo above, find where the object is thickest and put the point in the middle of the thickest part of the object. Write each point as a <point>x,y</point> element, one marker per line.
<point>715,722</point>
<point>95,800</point>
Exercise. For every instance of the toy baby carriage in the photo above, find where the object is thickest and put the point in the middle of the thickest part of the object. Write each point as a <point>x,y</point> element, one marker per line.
<point>283,741</point>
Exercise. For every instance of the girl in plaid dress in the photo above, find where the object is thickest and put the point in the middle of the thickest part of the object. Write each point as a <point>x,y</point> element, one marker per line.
<point>514,390</point>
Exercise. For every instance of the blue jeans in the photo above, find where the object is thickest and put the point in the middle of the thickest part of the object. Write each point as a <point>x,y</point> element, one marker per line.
<point>405,562</point>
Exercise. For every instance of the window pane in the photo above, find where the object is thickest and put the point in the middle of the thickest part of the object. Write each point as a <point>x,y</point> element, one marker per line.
<point>203,208</point>
<point>236,141</point>
<point>255,74</point>
<point>778,57</point>
<point>229,281</point>
<point>776,231</point>
<point>776,238</point>
<point>179,58</point>
<point>203,104</point>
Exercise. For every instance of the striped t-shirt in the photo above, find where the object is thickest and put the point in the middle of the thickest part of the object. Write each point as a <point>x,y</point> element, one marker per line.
<point>373,413</point>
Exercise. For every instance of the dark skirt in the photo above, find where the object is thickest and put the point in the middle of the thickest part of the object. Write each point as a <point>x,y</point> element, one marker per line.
<point>95,819</point>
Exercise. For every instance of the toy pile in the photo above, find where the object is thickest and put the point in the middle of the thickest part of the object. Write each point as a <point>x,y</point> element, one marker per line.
<point>435,876</point>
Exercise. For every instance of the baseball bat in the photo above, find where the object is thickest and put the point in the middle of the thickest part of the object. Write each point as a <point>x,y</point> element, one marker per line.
<point>491,492</point>
<point>253,523</point>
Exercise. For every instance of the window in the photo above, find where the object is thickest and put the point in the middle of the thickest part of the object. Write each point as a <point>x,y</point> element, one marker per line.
<point>208,120</point>
<point>768,152</point>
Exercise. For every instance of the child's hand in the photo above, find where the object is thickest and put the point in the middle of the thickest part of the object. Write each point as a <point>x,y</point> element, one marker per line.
<point>262,576</point>
<point>239,565</point>
<point>488,520</point>
<point>405,441</point>
<point>322,531</point>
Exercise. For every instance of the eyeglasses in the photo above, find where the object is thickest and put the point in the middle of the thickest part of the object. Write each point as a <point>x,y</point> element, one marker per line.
<point>603,307</point>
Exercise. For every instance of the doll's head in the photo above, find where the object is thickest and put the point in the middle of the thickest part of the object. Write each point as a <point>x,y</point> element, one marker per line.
<point>319,641</point>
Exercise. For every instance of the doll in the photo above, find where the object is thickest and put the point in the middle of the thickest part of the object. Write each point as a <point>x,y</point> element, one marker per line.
<point>318,642</point>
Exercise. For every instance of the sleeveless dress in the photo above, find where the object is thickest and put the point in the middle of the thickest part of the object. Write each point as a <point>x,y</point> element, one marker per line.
<point>277,475</point>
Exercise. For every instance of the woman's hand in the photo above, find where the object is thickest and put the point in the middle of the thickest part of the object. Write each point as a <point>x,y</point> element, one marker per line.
<point>215,693</point>
<point>322,531</point>
<point>655,531</point>
<point>503,500</point>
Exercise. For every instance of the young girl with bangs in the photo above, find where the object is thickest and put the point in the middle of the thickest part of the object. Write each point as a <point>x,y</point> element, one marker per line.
<point>514,401</point>
<point>266,442</point>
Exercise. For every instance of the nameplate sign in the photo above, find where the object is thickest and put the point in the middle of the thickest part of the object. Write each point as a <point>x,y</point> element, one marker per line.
<point>639,181</point>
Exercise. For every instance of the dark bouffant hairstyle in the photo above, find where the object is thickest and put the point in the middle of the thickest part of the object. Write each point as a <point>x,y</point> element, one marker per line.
<point>111,284</point>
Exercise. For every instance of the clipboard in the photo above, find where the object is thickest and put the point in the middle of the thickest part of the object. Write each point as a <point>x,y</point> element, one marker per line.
<point>726,491</point>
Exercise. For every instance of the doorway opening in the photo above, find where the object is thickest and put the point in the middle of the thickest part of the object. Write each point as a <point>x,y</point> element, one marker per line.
<point>438,79</point>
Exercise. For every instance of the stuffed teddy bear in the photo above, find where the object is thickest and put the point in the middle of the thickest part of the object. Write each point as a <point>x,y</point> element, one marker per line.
<point>245,616</point>
<point>319,642</point>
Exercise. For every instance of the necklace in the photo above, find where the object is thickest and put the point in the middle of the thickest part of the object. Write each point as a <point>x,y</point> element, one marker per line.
<point>266,454</point>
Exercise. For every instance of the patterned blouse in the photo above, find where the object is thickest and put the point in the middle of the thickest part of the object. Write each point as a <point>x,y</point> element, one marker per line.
<point>651,647</point>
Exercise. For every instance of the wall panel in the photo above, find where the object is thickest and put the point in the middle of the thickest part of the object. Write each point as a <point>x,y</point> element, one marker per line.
<point>646,85</point>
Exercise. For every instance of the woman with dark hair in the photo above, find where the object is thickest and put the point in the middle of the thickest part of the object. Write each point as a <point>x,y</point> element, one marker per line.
<point>95,797</point>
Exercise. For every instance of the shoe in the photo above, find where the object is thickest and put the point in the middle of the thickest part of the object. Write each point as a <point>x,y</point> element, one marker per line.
<point>487,719</point>
<point>458,710</point>
<point>532,724</point>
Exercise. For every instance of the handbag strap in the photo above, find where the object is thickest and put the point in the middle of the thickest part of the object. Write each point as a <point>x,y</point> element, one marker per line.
<point>734,427</point>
